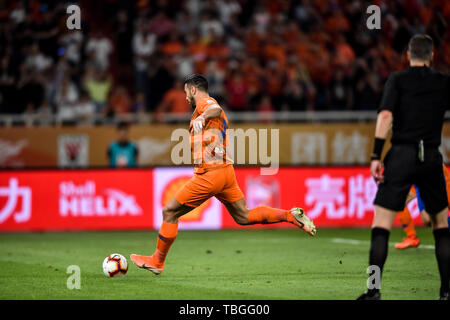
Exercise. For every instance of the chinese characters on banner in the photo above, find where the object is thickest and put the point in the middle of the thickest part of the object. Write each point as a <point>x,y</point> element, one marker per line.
<point>133,198</point>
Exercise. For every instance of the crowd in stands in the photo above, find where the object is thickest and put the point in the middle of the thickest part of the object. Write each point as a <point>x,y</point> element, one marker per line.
<point>269,55</point>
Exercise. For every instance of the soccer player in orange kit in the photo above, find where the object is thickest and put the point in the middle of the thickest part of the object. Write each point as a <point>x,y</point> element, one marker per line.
<point>213,176</point>
<point>411,240</point>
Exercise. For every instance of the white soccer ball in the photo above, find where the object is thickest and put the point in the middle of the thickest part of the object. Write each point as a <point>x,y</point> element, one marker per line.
<point>115,265</point>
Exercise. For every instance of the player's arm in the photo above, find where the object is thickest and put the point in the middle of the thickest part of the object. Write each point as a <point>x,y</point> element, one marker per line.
<point>211,112</point>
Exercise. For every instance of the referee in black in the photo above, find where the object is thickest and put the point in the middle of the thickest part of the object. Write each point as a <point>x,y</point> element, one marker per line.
<point>413,105</point>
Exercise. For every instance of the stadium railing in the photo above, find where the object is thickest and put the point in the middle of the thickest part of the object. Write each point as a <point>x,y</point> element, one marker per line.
<point>236,117</point>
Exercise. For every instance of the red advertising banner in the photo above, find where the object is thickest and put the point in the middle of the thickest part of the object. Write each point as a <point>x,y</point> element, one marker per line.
<point>133,198</point>
<point>75,200</point>
<point>331,196</point>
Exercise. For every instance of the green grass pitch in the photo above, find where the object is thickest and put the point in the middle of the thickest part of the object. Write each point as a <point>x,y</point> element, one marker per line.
<point>227,264</point>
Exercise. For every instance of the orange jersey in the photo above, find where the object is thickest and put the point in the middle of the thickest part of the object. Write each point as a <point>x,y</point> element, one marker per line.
<point>209,148</point>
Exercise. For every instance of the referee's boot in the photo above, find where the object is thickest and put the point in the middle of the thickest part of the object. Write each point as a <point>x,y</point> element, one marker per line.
<point>444,295</point>
<point>368,295</point>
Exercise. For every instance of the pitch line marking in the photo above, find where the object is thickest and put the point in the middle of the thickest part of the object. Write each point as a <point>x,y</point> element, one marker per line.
<point>359,242</point>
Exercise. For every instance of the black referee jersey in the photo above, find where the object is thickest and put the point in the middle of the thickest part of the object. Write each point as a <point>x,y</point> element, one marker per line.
<point>418,98</point>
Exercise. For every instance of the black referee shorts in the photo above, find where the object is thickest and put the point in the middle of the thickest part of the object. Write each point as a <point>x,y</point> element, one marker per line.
<point>402,169</point>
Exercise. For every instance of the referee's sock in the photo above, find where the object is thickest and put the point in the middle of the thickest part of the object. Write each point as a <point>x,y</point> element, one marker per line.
<point>442,250</point>
<point>378,250</point>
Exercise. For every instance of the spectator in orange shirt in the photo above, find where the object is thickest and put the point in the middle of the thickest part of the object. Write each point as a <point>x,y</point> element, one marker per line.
<point>253,41</point>
<point>198,50</point>
<point>120,102</point>
<point>173,46</point>
<point>337,23</point>
<point>344,53</point>
<point>275,50</point>
<point>252,73</point>
<point>292,34</point>
<point>218,49</point>
<point>174,101</point>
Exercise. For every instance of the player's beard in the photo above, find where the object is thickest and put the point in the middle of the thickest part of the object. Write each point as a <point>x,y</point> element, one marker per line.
<point>191,102</point>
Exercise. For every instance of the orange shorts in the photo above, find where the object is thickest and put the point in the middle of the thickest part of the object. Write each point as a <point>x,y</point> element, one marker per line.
<point>220,183</point>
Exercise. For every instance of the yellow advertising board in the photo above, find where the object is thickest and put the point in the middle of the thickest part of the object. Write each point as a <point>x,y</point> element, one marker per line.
<point>290,144</point>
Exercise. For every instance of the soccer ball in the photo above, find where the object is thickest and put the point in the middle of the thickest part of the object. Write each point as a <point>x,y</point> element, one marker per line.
<point>115,265</point>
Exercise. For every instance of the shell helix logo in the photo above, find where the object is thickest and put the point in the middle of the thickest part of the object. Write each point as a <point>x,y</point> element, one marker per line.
<point>84,201</point>
<point>18,202</point>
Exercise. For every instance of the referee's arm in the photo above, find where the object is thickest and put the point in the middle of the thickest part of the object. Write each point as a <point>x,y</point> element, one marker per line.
<point>383,126</point>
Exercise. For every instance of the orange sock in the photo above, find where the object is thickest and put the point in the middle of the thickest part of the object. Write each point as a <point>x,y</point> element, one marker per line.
<point>406,220</point>
<point>167,234</point>
<point>266,215</point>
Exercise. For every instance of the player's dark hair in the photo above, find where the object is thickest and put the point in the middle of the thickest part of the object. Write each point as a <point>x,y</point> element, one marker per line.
<point>123,125</point>
<point>198,81</point>
<point>420,47</point>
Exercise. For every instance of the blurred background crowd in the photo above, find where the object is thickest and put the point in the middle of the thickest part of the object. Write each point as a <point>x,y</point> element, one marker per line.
<point>277,55</point>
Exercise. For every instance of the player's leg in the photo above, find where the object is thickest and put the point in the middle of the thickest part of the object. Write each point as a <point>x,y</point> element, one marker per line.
<point>193,194</point>
<point>411,240</point>
<point>267,215</point>
<point>169,229</point>
<point>166,236</point>
<point>425,217</point>
<point>233,199</point>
